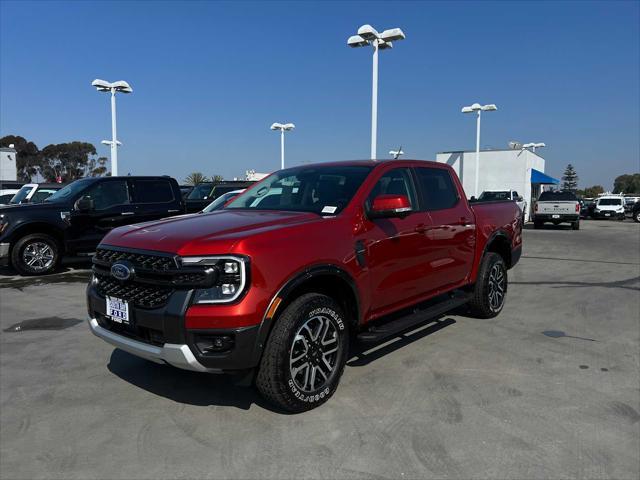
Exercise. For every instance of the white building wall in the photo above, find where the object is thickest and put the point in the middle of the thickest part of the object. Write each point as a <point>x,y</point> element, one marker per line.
<point>8,169</point>
<point>499,170</point>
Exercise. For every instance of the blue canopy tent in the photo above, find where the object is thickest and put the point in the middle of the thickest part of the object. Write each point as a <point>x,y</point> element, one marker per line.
<point>542,179</point>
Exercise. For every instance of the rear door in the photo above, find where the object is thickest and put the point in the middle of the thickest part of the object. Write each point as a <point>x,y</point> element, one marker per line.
<point>111,208</point>
<point>451,232</point>
<point>154,198</point>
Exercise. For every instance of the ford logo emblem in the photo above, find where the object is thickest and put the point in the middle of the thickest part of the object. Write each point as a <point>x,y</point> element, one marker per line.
<point>122,271</point>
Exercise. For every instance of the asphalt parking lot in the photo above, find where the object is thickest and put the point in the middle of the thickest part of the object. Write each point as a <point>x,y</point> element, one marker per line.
<point>549,389</point>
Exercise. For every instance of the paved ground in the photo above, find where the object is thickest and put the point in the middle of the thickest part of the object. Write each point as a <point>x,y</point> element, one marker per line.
<point>549,389</point>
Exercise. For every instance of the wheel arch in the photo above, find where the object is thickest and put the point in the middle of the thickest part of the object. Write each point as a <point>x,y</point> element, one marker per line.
<point>499,243</point>
<point>327,279</point>
<point>38,227</point>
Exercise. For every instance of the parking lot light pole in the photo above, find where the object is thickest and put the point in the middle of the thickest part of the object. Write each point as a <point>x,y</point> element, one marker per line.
<point>283,127</point>
<point>112,87</point>
<point>533,146</point>
<point>367,35</point>
<point>476,107</point>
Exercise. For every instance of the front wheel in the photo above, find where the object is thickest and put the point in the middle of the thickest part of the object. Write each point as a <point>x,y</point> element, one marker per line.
<point>490,290</point>
<point>636,216</point>
<point>305,355</point>
<point>35,254</point>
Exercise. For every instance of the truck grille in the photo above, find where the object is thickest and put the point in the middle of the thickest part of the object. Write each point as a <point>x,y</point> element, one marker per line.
<point>141,260</point>
<point>141,295</point>
<point>155,278</point>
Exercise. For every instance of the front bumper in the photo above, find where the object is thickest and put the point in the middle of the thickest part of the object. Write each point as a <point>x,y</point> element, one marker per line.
<point>160,335</point>
<point>4,254</point>
<point>172,353</point>
<point>608,214</point>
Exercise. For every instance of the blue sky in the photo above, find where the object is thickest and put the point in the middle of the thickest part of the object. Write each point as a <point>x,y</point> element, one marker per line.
<point>209,78</point>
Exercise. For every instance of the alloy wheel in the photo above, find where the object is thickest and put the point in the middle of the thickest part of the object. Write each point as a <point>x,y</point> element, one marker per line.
<point>314,353</point>
<point>38,256</point>
<point>497,287</point>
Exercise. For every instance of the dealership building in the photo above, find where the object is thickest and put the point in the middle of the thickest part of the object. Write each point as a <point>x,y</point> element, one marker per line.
<point>521,170</point>
<point>8,170</point>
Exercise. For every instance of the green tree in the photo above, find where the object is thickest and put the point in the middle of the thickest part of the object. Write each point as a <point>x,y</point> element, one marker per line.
<point>217,178</point>
<point>627,183</point>
<point>570,179</point>
<point>68,161</point>
<point>591,192</point>
<point>195,178</point>
<point>97,167</point>
<point>28,158</point>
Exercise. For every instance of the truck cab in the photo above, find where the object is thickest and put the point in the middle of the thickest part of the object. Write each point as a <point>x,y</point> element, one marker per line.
<point>73,220</point>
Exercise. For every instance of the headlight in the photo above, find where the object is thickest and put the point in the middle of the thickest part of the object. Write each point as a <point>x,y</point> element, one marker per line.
<point>230,281</point>
<point>4,223</point>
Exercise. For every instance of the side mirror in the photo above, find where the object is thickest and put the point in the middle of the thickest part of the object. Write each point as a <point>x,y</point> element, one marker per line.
<point>520,199</point>
<point>473,198</point>
<point>84,204</point>
<point>386,206</point>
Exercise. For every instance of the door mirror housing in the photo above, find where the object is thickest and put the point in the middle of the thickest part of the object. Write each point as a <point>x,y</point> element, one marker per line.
<point>387,206</point>
<point>519,199</point>
<point>84,204</point>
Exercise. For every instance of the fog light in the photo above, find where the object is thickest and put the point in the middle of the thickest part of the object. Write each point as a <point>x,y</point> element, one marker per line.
<point>213,343</point>
<point>228,289</point>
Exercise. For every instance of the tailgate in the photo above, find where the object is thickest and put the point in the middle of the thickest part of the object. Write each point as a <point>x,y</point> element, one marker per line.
<point>567,208</point>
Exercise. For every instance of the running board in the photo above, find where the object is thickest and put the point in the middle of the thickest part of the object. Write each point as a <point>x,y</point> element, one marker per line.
<point>393,327</point>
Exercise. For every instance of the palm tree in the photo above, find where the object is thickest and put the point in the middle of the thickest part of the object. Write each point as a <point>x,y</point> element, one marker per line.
<point>195,178</point>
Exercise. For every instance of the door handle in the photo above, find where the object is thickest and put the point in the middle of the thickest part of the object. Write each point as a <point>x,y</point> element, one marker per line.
<point>465,222</point>
<point>172,211</point>
<point>422,228</point>
<point>127,213</point>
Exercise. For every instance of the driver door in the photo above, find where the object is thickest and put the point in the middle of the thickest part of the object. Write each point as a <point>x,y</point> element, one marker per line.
<point>396,247</point>
<point>111,207</point>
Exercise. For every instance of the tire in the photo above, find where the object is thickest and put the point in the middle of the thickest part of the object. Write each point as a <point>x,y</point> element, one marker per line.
<point>43,249</point>
<point>636,216</point>
<point>537,225</point>
<point>299,332</point>
<point>575,225</point>
<point>488,299</point>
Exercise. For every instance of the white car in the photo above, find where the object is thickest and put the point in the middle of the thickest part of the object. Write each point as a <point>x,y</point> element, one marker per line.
<point>609,206</point>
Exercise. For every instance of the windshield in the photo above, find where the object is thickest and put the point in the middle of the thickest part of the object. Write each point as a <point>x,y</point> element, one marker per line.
<point>21,195</point>
<point>610,201</point>
<point>219,202</point>
<point>200,192</point>
<point>69,191</point>
<point>317,189</point>
<point>558,197</point>
<point>488,196</point>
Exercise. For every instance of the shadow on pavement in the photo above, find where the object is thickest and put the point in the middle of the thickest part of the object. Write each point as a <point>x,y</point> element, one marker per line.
<point>192,388</point>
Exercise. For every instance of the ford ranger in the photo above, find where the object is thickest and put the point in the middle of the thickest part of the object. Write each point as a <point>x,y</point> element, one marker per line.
<point>279,282</point>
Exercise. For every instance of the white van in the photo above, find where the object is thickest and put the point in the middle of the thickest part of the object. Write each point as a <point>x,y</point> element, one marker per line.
<point>609,206</point>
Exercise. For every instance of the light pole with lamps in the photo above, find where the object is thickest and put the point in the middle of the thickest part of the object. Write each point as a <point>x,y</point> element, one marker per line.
<point>367,35</point>
<point>283,127</point>
<point>476,107</point>
<point>533,146</point>
<point>114,87</point>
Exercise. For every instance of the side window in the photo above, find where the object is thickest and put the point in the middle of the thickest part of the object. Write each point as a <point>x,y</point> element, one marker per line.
<point>394,182</point>
<point>153,191</point>
<point>515,195</point>
<point>108,194</point>
<point>436,188</point>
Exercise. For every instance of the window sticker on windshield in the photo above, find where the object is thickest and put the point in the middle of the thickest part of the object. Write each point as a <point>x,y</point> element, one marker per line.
<point>329,209</point>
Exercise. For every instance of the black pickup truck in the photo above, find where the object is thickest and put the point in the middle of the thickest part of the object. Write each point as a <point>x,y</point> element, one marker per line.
<point>72,221</point>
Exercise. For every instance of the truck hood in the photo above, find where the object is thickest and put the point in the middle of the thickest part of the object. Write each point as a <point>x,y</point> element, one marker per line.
<point>204,233</point>
<point>34,207</point>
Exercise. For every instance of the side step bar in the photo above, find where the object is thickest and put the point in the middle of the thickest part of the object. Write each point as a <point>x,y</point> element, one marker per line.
<point>393,327</point>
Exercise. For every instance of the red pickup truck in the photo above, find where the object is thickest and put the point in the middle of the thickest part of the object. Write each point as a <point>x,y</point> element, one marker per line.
<point>279,282</point>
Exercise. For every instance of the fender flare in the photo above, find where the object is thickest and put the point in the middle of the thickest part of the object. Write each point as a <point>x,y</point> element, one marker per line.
<point>289,286</point>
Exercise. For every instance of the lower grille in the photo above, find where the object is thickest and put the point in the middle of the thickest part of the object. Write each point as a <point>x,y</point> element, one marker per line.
<point>141,295</point>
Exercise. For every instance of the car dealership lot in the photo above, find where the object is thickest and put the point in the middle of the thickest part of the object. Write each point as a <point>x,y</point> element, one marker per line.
<point>548,389</point>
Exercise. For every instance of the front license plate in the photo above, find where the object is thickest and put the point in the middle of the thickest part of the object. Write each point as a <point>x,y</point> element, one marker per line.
<point>118,310</point>
<point>555,216</point>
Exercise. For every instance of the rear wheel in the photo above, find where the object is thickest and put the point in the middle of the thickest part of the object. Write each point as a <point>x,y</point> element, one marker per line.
<point>636,216</point>
<point>537,225</point>
<point>305,355</point>
<point>490,290</point>
<point>35,254</point>
<point>575,225</point>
